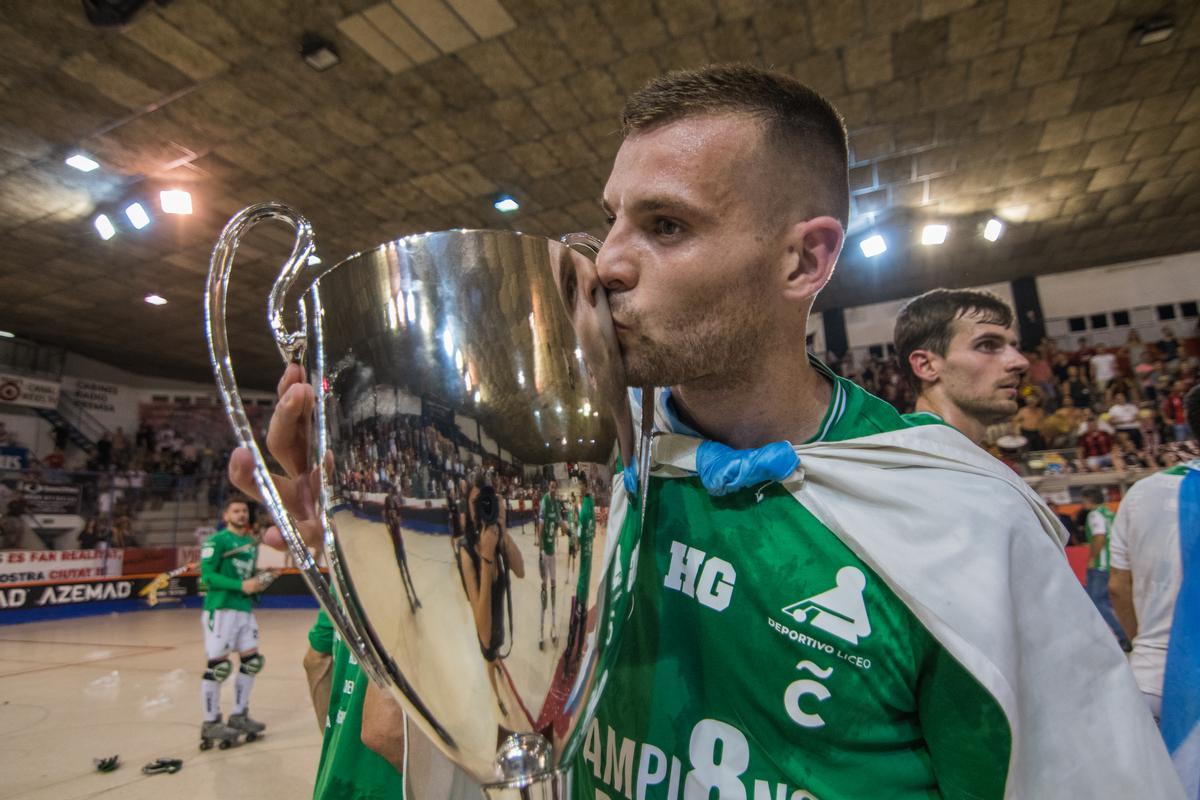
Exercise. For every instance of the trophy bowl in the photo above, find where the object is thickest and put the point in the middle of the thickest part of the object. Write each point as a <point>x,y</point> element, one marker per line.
<point>469,420</point>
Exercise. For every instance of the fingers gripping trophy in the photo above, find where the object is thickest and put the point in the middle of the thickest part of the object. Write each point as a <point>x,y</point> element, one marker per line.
<point>455,377</point>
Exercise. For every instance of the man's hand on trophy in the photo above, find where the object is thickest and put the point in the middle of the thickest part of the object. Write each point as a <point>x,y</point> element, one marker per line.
<point>288,439</point>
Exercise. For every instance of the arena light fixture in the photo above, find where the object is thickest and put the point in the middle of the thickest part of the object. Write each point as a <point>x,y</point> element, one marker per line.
<point>993,229</point>
<point>82,163</point>
<point>104,227</point>
<point>934,234</point>
<point>506,204</point>
<point>1154,30</point>
<point>175,201</point>
<point>137,215</point>
<point>7,335</point>
<point>873,245</point>
<point>156,300</point>
<point>318,52</point>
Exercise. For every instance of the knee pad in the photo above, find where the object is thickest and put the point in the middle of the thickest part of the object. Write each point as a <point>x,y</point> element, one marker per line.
<point>252,665</point>
<point>218,669</point>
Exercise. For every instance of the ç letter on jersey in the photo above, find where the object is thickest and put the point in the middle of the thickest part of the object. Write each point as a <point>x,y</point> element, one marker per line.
<point>840,610</point>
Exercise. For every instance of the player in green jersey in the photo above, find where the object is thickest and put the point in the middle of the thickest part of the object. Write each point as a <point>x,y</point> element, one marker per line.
<point>227,574</point>
<point>959,352</point>
<point>550,516</point>
<point>348,769</point>
<point>763,657</point>
<point>579,603</point>
<point>1097,525</point>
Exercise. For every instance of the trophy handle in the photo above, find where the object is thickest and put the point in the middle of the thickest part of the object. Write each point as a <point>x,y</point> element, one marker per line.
<point>288,287</point>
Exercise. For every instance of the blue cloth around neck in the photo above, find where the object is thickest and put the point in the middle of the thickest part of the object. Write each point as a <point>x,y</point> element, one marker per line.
<point>723,470</point>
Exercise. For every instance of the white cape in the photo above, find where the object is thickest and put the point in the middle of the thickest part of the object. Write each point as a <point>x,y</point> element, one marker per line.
<point>978,558</point>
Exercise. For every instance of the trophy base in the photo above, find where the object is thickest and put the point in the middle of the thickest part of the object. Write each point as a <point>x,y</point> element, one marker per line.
<point>548,786</point>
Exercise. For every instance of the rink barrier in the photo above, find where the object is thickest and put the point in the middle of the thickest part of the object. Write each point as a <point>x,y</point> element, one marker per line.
<point>35,601</point>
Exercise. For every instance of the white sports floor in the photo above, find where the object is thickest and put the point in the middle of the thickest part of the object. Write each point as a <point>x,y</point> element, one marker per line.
<point>129,685</point>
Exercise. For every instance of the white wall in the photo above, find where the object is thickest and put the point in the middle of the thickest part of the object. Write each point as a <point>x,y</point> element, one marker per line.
<point>874,324</point>
<point>1120,286</point>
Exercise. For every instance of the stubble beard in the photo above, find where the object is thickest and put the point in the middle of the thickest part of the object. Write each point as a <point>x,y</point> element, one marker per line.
<point>716,349</point>
<point>988,410</point>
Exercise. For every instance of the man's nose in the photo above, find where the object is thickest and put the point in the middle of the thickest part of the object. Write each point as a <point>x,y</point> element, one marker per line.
<point>1017,361</point>
<point>616,261</point>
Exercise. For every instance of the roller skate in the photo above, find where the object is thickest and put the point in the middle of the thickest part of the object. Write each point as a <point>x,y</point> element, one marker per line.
<point>242,722</point>
<point>217,731</point>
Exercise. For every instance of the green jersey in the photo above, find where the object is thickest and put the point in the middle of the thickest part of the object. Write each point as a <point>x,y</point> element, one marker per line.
<point>1099,523</point>
<point>764,659</point>
<point>587,532</point>
<point>227,559</point>
<point>348,769</point>
<point>549,514</point>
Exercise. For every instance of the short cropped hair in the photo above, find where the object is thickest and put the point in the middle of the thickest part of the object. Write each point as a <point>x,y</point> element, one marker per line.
<point>1093,495</point>
<point>927,322</point>
<point>234,500</point>
<point>1191,409</point>
<point>801,125</point>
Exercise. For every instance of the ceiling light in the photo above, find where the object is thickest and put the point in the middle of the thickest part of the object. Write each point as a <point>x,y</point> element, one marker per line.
<point>476,395</point>
<point>7,335</point>
<point>104,227</point>
<point>506,204</point>
<point>448,342</point>
<point>1153,31</point>
<point>175,201</point>
<point>82,163</point>
<point>156,300</point>
<point>318,52</point>
<point>315,259</point>
<point>873,245</point>
<point>993,229</point>
<point>137,215</point>
<point>934,234</point>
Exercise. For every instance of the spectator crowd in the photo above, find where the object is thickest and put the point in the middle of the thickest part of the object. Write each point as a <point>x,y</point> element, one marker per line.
<point>1090,409</point>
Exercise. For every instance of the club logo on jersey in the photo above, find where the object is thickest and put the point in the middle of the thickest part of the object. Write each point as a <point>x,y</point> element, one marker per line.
<point>840,610</point>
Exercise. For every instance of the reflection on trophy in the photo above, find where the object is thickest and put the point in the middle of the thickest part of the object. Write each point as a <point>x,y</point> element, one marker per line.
<point>470,418</point>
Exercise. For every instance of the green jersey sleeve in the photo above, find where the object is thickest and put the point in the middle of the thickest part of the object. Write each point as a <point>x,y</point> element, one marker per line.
<point>211,555</point>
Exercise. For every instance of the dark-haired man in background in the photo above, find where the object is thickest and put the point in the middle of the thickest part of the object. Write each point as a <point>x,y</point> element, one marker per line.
<point>958,350</point>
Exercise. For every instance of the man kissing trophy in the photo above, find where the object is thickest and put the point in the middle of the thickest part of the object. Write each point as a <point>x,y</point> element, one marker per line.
<point>466,358</point>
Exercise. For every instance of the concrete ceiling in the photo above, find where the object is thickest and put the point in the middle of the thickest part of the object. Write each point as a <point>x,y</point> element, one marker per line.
<point>1046,112</point>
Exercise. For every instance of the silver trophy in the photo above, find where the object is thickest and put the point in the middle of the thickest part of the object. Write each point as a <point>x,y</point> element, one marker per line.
<point>470,412</point>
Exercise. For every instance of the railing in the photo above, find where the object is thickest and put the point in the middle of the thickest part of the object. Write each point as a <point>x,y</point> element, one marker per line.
<point>74,414</point>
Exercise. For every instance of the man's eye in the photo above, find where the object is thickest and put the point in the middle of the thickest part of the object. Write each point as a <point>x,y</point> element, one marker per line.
<point>609,219</point>
<point>666,227</point>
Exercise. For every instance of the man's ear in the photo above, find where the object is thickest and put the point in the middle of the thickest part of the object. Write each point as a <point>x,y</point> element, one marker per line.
<point>925,364</point>
<point>813,246</point>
